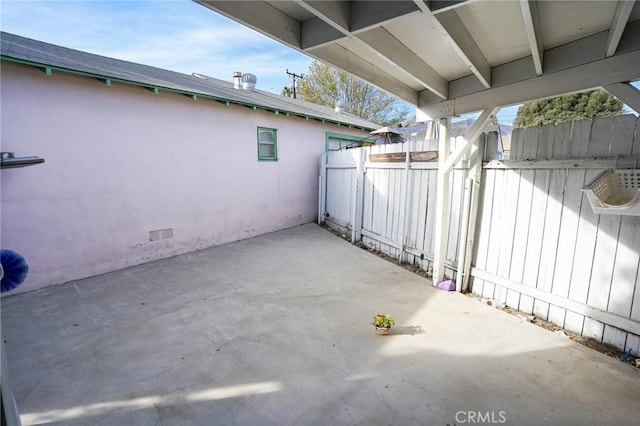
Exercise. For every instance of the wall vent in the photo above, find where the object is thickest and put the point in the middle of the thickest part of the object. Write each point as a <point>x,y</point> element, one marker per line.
<point>160,234</point>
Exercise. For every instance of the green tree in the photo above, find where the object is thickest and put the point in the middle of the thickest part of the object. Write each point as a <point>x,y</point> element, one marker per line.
<point>564,109</point>
<point>324,85</point>
<point>287,91</point>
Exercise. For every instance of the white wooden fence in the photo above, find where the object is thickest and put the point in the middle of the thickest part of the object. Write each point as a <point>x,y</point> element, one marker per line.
<point>539,246</point>
<point>391,205</point>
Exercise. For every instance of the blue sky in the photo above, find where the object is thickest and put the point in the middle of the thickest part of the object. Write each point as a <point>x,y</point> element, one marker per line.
<point>179,35</point>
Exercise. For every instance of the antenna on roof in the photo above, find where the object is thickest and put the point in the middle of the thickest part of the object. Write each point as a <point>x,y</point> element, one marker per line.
<point>293,75</point>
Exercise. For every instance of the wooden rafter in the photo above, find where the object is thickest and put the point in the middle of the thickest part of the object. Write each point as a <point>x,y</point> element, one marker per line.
<point>534,35</point>
<point>618,24</point>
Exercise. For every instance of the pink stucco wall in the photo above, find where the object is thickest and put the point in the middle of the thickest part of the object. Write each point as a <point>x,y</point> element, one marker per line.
<point>121,161</point>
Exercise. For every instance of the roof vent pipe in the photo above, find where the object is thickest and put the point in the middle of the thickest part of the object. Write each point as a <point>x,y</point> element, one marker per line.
<point>237,76</point>
<point>339,107</point>
<point>249,81</point>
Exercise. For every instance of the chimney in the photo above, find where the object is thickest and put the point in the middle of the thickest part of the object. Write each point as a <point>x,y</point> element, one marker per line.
<point>339,108</point>
<point>237,75</point>
<point>249,81</point>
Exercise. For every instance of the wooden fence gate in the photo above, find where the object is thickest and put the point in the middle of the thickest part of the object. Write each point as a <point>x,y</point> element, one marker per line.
<point>390,205</point>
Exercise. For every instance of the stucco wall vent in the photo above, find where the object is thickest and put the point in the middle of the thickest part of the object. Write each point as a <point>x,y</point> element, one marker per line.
<point>160,234</point>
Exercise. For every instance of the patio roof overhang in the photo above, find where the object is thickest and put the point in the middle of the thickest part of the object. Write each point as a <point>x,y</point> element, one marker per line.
<point>454,57</point>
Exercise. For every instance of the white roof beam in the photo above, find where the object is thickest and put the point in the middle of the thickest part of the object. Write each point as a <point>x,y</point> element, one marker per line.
<point>618,24</point>
<point>626,93</point>
<point>371,14</point>
<point>355,16</point>
<point>316,36</point>
<point>315,33</point>
<point>565,78</point>
<point>465,46</point>
<point>398,54</point>
<point>439,6</point>
<point>335,13</point>
<point>344,59</point>
<point>260,16</point>
<point>532,28</point>
<point>340,20</point>
<point>456,33</point>
<point>478,127</point>
<point>348,18</point>
<point>330,24</point>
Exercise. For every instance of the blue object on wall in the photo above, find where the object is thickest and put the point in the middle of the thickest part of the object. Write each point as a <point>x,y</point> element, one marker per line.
<point>15,269</point>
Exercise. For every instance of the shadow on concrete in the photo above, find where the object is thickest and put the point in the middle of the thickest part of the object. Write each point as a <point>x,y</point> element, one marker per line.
<point>276,330</point>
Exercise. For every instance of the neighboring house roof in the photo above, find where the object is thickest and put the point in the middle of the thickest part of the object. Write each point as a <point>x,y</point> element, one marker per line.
<point>51,57</point>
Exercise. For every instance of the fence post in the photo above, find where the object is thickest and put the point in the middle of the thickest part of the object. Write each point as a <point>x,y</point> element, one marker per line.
<point>464,228</point>
<point>475,176</point>
<point>358,203</point>
<point>322,188</point>
<point>406,203</point>
<point>442,202</point>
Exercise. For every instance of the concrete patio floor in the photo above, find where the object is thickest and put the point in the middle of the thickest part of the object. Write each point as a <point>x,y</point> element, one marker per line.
<point>275,330</point>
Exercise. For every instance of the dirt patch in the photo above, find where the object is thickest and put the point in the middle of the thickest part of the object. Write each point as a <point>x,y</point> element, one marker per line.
<point>585,341</point>
<point>408,266</point>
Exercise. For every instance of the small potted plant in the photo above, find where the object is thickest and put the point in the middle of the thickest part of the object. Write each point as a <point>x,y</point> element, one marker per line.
<point>382,323</point>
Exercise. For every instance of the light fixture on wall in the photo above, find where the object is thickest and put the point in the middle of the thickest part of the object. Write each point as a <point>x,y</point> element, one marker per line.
<point>8,160</point>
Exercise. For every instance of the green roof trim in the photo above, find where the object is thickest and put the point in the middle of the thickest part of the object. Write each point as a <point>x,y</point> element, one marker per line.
<point>108,80</point>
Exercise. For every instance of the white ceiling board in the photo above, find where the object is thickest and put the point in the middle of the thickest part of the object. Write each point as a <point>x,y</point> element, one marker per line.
<point>397,53</point>
<point>498,29</point>
<point>565,21</point>
<point>430,46</point>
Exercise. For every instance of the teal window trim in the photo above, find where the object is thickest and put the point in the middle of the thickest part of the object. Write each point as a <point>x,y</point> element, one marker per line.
<point>352,138</point>
<point>264,143</point>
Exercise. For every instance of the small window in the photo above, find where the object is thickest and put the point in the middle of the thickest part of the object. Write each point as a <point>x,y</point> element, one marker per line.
<point>267,144</point>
